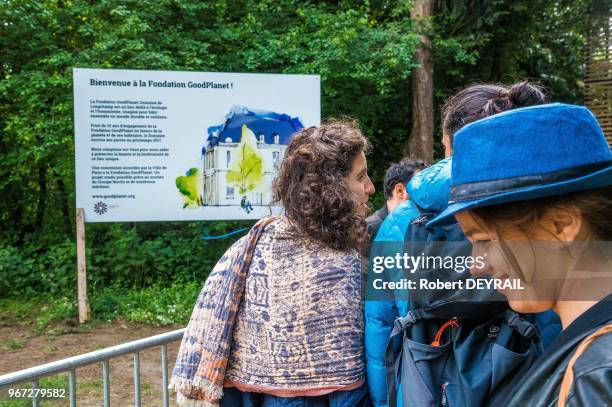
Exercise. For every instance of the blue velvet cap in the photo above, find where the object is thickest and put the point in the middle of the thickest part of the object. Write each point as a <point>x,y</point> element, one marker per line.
<point>524,154</point>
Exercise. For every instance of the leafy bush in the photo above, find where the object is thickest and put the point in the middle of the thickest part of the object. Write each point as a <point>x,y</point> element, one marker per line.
<point>14,275</point>
<point>56,269</point>
<point>27,272</point>
<point>146,254</point>
<point>157,305</point>
<point>118,255</point>
<point>56,310</point>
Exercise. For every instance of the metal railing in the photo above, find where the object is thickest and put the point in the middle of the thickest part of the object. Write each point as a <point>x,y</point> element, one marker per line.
<point>70,365</point>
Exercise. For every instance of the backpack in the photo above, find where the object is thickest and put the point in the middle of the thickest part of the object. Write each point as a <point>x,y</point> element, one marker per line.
<point>456,350</point>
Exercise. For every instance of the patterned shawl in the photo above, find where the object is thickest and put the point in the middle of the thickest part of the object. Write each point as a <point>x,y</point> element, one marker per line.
<point>287,323</point>
<point>201,363</point>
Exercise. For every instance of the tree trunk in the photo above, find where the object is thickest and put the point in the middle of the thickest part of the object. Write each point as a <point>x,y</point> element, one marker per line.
<point>420,143</point>
<point>61,187</point>
<point>42,198</point>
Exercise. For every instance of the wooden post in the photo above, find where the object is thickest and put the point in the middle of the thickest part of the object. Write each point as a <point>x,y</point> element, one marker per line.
<point>84,310</point>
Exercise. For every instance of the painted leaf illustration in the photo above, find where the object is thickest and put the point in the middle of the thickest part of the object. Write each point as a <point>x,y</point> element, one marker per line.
<point>189,186</point>
<point>246,169</point>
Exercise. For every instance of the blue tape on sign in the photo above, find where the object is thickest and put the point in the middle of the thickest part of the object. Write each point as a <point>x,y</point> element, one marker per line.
<point>206,237</point>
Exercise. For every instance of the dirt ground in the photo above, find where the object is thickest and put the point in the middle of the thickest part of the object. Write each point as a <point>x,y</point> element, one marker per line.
<point>22,347</point>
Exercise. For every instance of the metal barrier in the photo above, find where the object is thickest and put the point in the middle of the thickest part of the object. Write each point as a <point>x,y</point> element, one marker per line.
<point>70,365</point>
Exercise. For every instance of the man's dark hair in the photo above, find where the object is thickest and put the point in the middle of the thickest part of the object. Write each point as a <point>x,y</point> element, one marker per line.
<point>400,173</point>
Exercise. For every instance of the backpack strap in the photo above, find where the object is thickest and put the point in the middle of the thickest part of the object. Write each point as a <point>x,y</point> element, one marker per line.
<point>568,377</point>
<point>522,326</point>
<point>409,319</point>
<point>392,364</point>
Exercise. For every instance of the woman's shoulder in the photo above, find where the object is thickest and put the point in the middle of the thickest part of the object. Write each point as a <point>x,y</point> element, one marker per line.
<point>280,226</point>
<point>282,230</point>
<point>240,244</point>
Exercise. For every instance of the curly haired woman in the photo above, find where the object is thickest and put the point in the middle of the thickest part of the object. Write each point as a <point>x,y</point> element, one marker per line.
<point>279,321</point>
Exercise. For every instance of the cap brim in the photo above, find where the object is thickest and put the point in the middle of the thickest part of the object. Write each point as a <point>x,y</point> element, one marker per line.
<point>599,179</point>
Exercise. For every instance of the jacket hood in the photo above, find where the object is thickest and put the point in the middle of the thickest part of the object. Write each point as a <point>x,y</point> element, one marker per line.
<point>430,188</point>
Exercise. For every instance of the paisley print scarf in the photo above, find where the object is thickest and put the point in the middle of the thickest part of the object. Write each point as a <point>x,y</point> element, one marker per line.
<point>287,322</point>
<point>199,373</point>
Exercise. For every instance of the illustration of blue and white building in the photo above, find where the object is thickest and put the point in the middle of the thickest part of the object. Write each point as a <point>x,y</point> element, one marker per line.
<point>273,132</point>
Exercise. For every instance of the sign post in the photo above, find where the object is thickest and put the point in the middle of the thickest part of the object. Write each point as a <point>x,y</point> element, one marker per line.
<point>84,311</point>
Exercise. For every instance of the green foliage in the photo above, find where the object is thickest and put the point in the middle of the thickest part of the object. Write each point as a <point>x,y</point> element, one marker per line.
<point>364,52</point>
<point>28,270</point>
<point>507,40</point>
<point>57,310</point>
<point>246,169</point>
<point>133,257</point>
<point>14,275</point>
<point>189,186</point>
<point>157,305</point>
<point>141,255</point>
<point>11,344</point>
<point>16,309</point>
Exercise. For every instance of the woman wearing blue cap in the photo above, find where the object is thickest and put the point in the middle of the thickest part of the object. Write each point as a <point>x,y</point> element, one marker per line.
<point>532,188</point>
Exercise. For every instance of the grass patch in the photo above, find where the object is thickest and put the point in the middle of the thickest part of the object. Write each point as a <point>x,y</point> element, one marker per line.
<point>16,310</point>
<point>43,311</point>
<point>52,382</point>
<point>11,344</point>
<point>90,387</point>
<point>96,346</point>
<point>146,389</point>
<point>59,310</point>
<point>155,305</point>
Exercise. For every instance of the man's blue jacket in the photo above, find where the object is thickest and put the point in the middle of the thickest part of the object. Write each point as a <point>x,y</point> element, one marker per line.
<point>430,190</point>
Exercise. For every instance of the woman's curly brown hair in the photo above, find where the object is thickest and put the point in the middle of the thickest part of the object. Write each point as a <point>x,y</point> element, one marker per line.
<point>311,183</point>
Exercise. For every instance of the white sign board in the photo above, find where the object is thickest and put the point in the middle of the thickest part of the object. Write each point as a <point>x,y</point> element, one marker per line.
<point>161,146</point>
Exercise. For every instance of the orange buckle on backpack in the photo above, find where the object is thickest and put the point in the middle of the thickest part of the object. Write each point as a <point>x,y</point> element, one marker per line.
<point>453,323</point>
